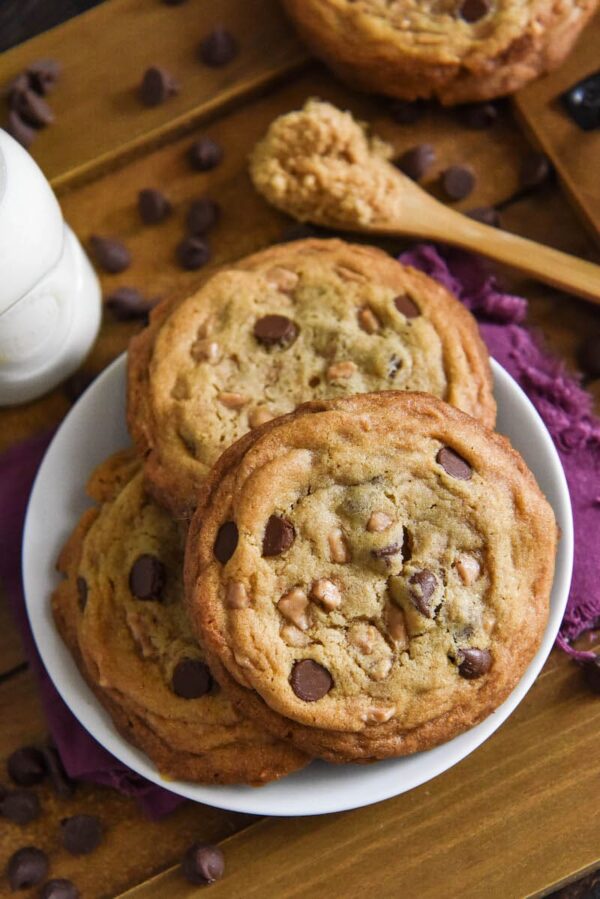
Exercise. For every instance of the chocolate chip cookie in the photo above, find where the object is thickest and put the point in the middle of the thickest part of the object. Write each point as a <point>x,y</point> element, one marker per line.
<point>370,575</point>
<point>301,321</point>
<point>459,51</point>
<point>121,613</point>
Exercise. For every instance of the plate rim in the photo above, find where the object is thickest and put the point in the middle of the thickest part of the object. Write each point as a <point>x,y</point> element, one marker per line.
<point>241,798</point>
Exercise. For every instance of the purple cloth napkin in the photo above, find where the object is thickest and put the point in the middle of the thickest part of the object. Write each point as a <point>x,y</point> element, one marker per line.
<point>559,399</point>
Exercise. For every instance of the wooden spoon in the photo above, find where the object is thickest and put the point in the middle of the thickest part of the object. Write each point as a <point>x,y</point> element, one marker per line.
<point>420,215</point>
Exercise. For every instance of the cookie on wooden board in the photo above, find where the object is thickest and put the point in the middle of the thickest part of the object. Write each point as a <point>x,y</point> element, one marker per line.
<point>459,52</point>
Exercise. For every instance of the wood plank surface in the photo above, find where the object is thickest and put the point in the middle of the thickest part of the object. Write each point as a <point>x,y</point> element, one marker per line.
<point>575,153</point>
<point>105,52</point>
<point>133,846</point>
<point>506,822</point>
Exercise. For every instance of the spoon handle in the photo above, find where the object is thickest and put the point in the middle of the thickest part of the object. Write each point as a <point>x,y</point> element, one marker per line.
<point>569,273</point>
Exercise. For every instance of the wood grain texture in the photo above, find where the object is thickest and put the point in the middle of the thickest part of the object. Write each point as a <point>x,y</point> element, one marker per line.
<point>105,52</point>
<point>133,846</point>
<point>506,822</point>
<point>575,153</point>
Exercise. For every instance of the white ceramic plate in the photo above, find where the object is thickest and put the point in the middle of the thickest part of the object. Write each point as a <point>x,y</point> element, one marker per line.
<point>94,428</point>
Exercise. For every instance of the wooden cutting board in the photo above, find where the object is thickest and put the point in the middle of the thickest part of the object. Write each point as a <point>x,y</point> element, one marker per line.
<point>574,153</point>
<point>506,822</point>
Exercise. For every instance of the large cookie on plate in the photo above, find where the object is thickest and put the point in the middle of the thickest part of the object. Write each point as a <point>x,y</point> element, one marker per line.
<point>301,321</point>
<point>458,51</point>
<point>120,610</point>
<point>370,575</point>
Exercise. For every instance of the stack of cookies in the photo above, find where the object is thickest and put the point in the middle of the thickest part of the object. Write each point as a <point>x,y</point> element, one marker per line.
<point>318,546</point>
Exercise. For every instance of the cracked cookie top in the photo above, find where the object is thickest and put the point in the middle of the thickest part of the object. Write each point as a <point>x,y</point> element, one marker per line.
<point>371,574</point>
<point>123,596</point>
<point>309,320</point>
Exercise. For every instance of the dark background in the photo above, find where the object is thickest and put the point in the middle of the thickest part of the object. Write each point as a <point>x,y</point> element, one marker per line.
<point>21,19</point>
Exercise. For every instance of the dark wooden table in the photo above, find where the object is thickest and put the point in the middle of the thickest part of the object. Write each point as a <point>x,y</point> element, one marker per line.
<point>517,817</point>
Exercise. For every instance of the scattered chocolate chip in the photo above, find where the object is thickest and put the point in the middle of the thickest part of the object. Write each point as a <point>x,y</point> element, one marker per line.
<point>157,86</point>
<point>272,330</point>
<point>43,75</point>
<point>192,253</point>
<point>18,85</point>
<point>385,552</point>
<point>424,583</point>
<point>417,161</point>
<point>111,255</point>
<point>60,888</point>
<point>406,306</point>
<point>535,170</point>
<point>153,206</point>
<point>310,681</point>
<point>297,231</point>
<point>394,366</point>
<point>218,48</point>
<point>458,181</point>
<point>82,593</point>
<point>478,115</point>
<point>205,154</point>
<point>81,834</point>
<point>77,384</point>
<point>487,215</point>
<point>203,863</point>
<point>203,215</point>
<point>279,536</point>
<point>473,663</point>
<point>591,672</point>
<point>17,128</point>
<point>473,10</point>
<point>402,112</point>
<point>32,108</point>
<point>226,542</point>
<point>60,781</point>
<point>453,464</point>
<point>20,806</point>
<point>26,868</point>
<point>191,679</point>
<point>127,303</point>
<point>173,2</point>
<point>588,356</point>
<point>582,102</point>
<point>407,545</point>
<point>147,577</point>
<point>3,792</point>
<point>26,766</point>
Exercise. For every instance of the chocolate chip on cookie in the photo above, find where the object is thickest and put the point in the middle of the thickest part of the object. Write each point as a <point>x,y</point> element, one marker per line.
<point>26,766</point>
<point>279,535</point>
<point>384,552</point>
<point>147,577</point>
<point>473,663</point>
<point>191,679</point>
<point>275,330</point>
<point>203,863</point>
<point>406,306</point>
<point>82,592</point>
<point>310,681</point>
<point>423,584</point>
<point>226,542</point>
<point>473,10</point>
<point>453,464</point>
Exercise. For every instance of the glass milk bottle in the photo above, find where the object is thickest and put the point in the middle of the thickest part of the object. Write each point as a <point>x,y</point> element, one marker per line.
<point>50,300</point>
